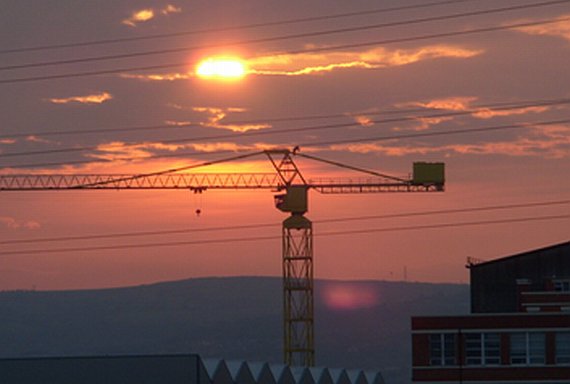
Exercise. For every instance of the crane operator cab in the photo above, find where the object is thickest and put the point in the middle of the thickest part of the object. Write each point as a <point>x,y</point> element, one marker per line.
<point>294,199</point>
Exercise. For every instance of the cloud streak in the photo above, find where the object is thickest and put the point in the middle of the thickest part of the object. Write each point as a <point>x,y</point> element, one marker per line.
<point>96,98</point>
<point>308,64</point>
<point>147,14</point>
<point>465,104</point>
<point>548,142</point>
<point>560,29</point>
<point>216,115</point>
<point>311,64</point>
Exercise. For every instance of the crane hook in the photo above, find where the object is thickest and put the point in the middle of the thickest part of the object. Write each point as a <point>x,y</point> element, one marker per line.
<point>198,200</point>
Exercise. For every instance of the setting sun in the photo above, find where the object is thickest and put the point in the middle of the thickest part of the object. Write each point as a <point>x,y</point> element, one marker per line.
<point>221,68</point>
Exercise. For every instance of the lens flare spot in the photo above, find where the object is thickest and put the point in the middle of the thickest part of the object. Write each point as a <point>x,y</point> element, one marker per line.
<point>221,68</point>
<point>349,296</point>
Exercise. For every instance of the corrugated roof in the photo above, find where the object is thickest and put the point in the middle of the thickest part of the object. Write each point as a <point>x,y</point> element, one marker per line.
<point>243,372</point>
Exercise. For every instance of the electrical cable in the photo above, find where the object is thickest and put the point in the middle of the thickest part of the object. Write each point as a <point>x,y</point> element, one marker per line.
<point>315,144</point>
<point>321,143</point>
<point>433,134</point>
<point>284,37</point>
<point>291,130</point>
<point>294,52</point>
<point>231,28</point>
<point>263,238</point>
<point>122,159</point>
<point>474,109</point>
<point>266,225</point>
<point>172,170</point>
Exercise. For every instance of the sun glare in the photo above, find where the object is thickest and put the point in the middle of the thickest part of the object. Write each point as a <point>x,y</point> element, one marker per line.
<point>221,69</point>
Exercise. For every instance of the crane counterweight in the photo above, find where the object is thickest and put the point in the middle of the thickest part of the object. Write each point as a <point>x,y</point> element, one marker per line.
<point>429,174</point>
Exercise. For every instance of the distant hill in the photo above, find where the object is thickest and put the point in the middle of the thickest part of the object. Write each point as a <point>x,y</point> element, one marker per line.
<point>360,324</point>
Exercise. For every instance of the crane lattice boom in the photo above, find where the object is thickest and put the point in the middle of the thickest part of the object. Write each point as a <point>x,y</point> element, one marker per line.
<point>203,181</point>
<point>297,239</point>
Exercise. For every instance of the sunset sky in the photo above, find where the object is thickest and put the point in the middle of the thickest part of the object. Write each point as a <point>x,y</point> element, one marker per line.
<point>112,87</point>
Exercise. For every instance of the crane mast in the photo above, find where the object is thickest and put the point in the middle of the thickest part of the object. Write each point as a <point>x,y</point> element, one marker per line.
<point>292,198</point>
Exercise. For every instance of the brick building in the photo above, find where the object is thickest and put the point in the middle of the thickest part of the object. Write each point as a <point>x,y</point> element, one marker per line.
<point>518,330</point>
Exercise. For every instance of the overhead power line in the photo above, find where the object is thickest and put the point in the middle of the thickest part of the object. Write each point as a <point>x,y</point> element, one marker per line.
<point>325,143</point>
<point>231,28</point>
<point>127,159</point>
<point>313,144</point>
<point>283,37</point>
<point>263,238</point>
<point>500,107</point>
<point>188,125</point>
<point>266,225</point>
<point>474,109</point>
<point>433,134</point>
<point>293,52</point>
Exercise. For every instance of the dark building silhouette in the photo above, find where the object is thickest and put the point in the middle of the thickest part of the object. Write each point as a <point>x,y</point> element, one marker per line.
<point>500,285</point>
<point>518,331</point>
<point>170,369</point>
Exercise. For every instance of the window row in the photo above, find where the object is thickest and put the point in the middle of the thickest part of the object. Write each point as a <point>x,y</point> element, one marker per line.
<point>525,348</point>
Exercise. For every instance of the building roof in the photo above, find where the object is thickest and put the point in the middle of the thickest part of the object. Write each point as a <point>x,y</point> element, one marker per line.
<point>221,371</point>
<point>479,263</point>
<point>173,369</point>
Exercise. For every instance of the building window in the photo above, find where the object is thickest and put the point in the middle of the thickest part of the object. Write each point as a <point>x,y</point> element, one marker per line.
<point>482,349</point>
<point>442,349</point>
<point>528,348</point>
<point>562,285</point>
<point>562,348</point>
<point>492,348</point>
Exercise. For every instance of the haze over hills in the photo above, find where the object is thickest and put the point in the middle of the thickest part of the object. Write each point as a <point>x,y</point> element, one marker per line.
<point>360,324</point>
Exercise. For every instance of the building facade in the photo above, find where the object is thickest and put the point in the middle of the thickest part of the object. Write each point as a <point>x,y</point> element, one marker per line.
<point>518,330</point>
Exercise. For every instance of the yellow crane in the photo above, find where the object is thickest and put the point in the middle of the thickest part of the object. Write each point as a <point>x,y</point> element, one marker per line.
<point>292,197</point>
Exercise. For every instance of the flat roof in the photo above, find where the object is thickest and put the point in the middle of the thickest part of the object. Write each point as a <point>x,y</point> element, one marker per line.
<point>523,254</point>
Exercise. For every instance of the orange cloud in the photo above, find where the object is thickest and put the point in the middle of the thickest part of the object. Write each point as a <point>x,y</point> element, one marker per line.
<point>387,150</point>
<point>118,150</point>
<point>309,63</point>
<point>216,115</point>
<point>7,141</point>
<point>464,104</point>
<point>450,103</point>
<point>97,98</point>
<point>122,158</point>
<point>556,149</point>
<point>35,139</point>
<point>485,113</point>
<point>139,17</point>
<point>229,146</point>
<point>364,121</point>
<point>305,64</point>
<point>558,29</point>
<point>426,122</point>
<point>547,142</point>
<point>170,9</point>
<point>147,14</point>
<point>178,123</point>
<point>158,76</point>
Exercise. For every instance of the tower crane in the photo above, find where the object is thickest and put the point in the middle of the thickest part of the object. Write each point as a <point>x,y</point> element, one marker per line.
<point>292,197</point>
